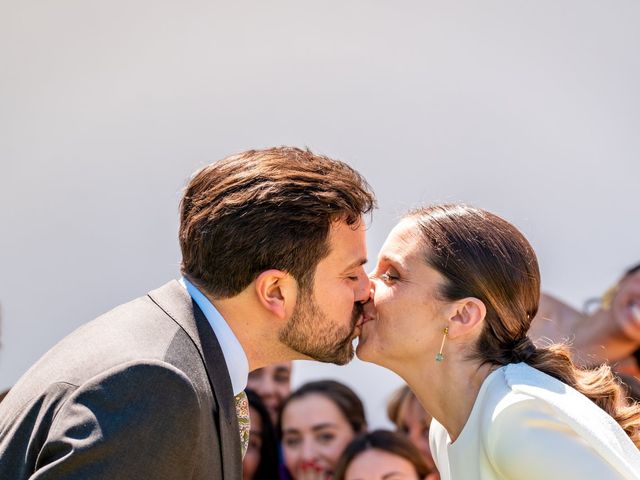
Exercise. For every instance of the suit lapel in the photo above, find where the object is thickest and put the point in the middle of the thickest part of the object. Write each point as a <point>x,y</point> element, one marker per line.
<point>219,377</point>
<point>176,302</point>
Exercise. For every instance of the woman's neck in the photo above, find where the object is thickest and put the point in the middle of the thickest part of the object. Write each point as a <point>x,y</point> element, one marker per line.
<point>447,390</point>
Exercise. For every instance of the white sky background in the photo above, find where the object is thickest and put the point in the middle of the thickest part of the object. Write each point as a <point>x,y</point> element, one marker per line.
<point>529,109</point>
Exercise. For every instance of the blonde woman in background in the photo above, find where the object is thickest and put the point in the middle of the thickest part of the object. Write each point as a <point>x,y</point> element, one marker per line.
<point>412,421</point>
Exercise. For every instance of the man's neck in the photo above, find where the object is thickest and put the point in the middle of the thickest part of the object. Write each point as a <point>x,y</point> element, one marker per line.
<point>256,332</point>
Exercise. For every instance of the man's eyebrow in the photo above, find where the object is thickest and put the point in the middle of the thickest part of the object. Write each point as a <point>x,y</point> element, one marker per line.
<point>357,263</point>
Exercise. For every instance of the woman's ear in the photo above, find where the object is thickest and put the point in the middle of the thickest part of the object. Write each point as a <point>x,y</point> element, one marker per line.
<point>277,292</point>
<point>467,314</point>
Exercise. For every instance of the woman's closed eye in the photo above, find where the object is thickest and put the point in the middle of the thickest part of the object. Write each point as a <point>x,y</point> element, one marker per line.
<point>291,441</point>
<point>389,276</point>
<point>325,438</point>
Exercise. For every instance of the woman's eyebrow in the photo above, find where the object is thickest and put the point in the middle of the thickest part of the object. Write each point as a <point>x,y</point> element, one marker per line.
<point>391,474</point>
<point>322,426</point>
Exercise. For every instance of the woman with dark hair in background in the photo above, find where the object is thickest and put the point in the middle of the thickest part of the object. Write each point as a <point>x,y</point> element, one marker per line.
<point>454,292</point>
<point>261,460</point>
<point>382,455</point>
<point>317,422</point>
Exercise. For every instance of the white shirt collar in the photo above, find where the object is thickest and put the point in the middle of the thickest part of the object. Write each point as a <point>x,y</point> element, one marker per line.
<point>233,353</point>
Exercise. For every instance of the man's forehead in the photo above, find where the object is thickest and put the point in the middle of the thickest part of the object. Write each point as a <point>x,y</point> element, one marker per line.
<point>348,243</point>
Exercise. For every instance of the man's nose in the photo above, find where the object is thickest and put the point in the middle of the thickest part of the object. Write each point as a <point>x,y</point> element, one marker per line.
<point>364,290</point>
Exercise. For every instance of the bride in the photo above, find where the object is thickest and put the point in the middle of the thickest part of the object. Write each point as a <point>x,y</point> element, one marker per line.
<point>454,292</point>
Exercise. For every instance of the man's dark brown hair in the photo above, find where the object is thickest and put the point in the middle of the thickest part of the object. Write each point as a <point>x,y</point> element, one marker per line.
<point>264,209</point>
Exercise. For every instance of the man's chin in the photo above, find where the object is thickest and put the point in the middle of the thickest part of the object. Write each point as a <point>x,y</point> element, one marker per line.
<point>339,356</point>
<point>345,354</point>
<point>343,361</point>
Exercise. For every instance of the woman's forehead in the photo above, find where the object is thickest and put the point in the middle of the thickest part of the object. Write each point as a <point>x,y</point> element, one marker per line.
<point>402,242</point>
<point>312,409</point>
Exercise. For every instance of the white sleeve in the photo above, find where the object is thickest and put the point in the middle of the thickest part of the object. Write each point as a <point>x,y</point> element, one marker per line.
<point>526,442</point>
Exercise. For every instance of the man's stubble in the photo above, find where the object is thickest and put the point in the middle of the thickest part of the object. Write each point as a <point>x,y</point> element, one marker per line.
<point>311,333</point>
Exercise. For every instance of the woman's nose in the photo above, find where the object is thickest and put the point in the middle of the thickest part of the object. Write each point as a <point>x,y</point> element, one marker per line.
<point>372,285</point>
<point>267,387</point>
<point>308,451</point>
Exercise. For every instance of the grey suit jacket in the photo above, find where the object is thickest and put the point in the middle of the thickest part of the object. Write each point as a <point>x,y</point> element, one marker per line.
<point>142,392</point>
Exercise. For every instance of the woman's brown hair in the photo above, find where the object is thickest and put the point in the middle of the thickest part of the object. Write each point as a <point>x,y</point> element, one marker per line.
<point>483,256</point>
<point>381,440</point>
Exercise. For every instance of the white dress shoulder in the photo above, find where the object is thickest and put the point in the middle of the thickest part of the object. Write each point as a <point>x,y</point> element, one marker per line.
<point>527,425</point>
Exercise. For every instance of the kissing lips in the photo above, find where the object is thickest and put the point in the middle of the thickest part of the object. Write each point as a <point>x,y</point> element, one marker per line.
<point>364,319</point>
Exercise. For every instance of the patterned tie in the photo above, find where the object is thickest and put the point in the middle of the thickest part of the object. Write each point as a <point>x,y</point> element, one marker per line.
<point>242,411</point>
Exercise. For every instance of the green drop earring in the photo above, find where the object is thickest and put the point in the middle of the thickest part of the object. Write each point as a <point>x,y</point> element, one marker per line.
<point>440,355</point>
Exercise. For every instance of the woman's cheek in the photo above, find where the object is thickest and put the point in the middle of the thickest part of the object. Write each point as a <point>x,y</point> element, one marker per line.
<point>336,449</point>
<point>291,459</point>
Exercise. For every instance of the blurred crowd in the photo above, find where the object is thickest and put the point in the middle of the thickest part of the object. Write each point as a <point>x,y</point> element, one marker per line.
<point>319,431</point>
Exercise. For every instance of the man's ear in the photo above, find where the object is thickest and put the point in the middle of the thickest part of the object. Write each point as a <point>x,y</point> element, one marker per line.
<point>277,292</point>
<point>466,315</point>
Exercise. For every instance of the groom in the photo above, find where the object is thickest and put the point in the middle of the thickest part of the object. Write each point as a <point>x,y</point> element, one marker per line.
<point>273,248</point>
